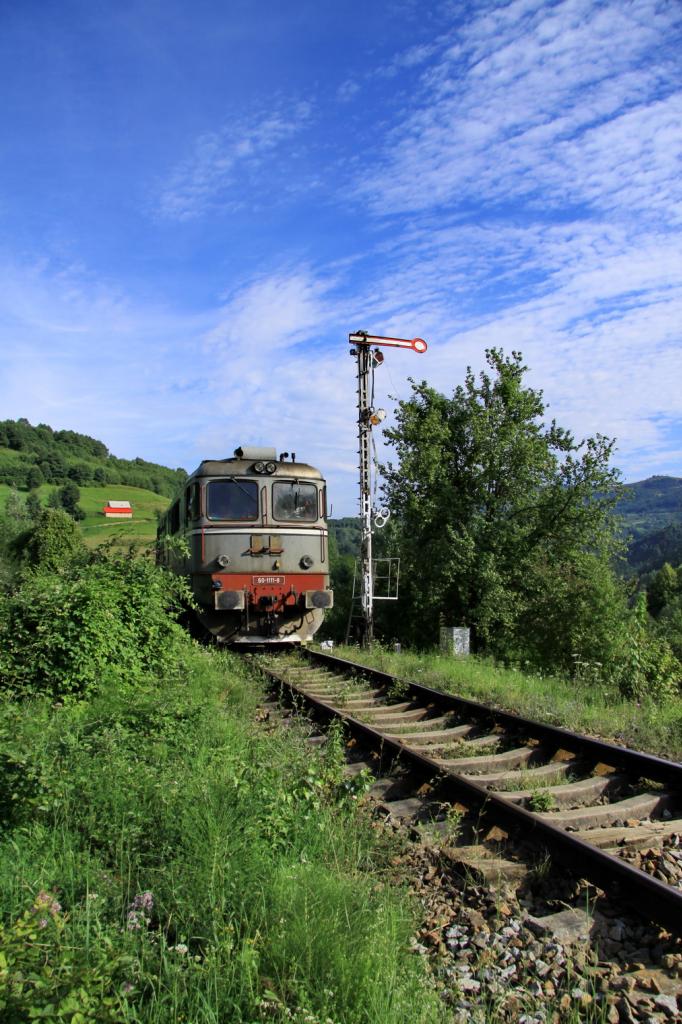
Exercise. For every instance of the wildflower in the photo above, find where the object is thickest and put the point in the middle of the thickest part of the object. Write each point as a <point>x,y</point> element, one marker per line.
<point>46,904</point>
<point>133,922</point>
<point>143,901</point>
<point>127,987</point>
<point>180,948</point>
<point>42,923</point>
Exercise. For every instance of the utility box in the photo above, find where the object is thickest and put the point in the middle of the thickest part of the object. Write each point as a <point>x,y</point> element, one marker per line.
<point>455,640</point>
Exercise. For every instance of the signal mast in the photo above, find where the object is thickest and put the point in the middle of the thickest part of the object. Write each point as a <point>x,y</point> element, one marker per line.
<point>367,350</point>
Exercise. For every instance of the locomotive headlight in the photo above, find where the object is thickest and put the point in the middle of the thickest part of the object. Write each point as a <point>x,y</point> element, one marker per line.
<point>306,562</point>
<point>259,467</point>
<point>270,467</point>
<point>223,561</point>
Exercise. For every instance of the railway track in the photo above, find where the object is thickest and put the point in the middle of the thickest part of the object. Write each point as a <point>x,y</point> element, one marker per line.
<point>518,785</point>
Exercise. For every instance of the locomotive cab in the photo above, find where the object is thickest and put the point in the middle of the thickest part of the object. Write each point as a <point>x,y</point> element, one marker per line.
<point>256,547</point>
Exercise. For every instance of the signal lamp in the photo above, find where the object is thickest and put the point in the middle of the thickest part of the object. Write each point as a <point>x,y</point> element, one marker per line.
<point>377,416</point>
<point>377,357</point>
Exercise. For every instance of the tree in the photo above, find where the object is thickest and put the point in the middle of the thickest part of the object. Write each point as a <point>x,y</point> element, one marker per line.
<point>15,507</point>
<point>503,522</point>
<point>34,478</point>
<point>81,473</point>
<point>69,496</point>
<point>51,542</point>
<point>33,506</point>
<point>662,590</point>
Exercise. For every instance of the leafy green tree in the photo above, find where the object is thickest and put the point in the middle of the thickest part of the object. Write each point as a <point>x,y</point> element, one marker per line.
<point>51,542</point>
<point>81,474</point>
<point>34,478</point>
<point>100,475</point>
<point>33,506</point>
<point>15,508</point>
<point>69,496</point>
<point>504,522</point>
<point>663,589</point>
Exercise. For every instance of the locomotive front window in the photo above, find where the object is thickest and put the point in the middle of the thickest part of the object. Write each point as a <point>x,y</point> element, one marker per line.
<point>293,501</point>
<point>232,499</point>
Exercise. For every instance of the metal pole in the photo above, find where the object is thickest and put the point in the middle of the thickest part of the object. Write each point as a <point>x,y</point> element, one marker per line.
<point>365,369</point>
<point>366,362</point>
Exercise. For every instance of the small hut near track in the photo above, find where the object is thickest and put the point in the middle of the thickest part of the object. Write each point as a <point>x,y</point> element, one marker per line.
<point>118,510</point>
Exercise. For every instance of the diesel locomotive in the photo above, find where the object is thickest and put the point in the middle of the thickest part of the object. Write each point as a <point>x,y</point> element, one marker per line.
<point>255,548</point>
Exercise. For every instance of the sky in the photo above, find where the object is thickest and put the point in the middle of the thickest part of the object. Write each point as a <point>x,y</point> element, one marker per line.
<point>200,200</point>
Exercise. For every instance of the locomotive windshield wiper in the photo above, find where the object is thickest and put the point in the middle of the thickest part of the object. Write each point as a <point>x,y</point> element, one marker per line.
<point>231,480</point>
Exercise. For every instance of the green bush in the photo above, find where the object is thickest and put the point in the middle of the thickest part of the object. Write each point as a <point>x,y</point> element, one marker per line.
<point>646,665</point>
<point>97,621</point>
<point>52,542</point>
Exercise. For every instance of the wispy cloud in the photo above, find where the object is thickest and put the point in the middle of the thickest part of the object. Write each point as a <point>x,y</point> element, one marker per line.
<point>550,103</point>
<point>533,191</point>
<point>207,178</point>
<point>174,387</point>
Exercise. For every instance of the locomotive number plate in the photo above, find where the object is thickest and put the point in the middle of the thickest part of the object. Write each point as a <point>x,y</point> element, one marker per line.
<point>268,581</point>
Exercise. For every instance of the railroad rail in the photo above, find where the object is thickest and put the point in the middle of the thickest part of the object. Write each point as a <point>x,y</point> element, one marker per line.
<point>601,798</point>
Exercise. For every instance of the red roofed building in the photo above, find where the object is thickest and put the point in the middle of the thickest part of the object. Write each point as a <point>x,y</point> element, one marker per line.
<point>118,510</point>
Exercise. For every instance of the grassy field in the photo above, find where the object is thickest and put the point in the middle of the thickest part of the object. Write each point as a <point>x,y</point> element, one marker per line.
<point>96,528</point>
<point>164,857</point>
<point>581,706</point>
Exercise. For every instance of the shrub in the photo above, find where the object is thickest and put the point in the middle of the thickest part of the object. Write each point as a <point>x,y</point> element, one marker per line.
<point>103,620</point>
<point>52,542</point>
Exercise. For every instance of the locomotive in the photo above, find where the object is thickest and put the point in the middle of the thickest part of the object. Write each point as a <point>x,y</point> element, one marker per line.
<point>256,549</point>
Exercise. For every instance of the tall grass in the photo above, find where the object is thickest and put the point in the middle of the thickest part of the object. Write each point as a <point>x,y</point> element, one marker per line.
<point>579,704</point>
<point>203,869</point>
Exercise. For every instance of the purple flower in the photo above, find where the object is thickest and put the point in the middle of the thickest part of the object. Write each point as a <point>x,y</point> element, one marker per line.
<point>143,901</point>
<point>133,922</point>
<point>42,923</point>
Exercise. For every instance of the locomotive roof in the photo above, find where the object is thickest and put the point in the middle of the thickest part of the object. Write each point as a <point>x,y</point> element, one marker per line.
<point>244,467</point>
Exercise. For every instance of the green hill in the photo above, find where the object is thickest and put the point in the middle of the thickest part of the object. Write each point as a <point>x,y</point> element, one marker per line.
<point>31,456</point>
<point>650,505</point>
<point>650,552</point>
<point>96,528</point>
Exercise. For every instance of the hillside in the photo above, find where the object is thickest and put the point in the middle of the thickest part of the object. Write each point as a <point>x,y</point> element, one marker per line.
<point>651,504</point>
<point>96,528</point>
<point>32,456</point>
<point>650,552</point>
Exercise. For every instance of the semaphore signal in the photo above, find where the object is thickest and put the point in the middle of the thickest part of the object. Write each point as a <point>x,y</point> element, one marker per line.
<point>367,350</point>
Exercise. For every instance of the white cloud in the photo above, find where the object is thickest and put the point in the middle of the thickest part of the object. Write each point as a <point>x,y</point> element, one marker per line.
<point>178,388</point>
<point>573,102</point>
<point>208,177</point>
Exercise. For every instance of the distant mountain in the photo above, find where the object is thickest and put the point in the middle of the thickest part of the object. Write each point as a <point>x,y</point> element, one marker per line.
<point>31,456</point>
<point>649,552</point>
<point>652,504</point>
<point>651,511</point>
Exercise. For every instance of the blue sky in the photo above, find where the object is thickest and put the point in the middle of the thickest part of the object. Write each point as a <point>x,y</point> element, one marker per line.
<point>198,201</point>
